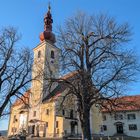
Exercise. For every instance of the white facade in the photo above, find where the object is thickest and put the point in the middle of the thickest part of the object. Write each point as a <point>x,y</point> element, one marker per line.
<point>124,122</point>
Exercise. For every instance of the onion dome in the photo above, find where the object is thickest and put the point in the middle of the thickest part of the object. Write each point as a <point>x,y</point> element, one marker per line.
<point>47,33</point>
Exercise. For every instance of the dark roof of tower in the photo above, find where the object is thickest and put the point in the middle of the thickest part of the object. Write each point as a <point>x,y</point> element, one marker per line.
<point>61,87</point>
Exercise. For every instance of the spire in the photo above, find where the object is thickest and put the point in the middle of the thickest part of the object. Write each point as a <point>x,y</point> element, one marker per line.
<point>49,7</point>
<point>47,34</point>
<point>48,20</point>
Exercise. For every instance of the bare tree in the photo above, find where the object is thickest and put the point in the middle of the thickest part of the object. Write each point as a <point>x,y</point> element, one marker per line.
<point>96,48</point>
<point>15,68</point>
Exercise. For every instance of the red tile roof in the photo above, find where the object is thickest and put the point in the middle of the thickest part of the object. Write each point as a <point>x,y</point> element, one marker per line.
<point>125,103</point>
<point>23,100</point>
<point>69,75</point>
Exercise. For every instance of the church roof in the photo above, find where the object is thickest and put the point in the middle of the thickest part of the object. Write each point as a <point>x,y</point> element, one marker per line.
<point>23,100</point>
<point>53,94</point>
<point>61,87</point>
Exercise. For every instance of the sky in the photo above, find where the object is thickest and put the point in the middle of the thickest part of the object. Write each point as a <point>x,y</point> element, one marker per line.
<point>27,16</point>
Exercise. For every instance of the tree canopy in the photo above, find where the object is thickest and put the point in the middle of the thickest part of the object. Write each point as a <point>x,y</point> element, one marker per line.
<point>15,68</point>
<point>96,47</point>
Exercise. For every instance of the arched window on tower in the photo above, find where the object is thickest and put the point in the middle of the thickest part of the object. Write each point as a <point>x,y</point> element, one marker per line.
<point>52,54</point>
<point>39,54</point>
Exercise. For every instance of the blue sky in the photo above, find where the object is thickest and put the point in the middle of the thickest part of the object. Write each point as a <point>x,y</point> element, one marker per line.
<point>27,17</point>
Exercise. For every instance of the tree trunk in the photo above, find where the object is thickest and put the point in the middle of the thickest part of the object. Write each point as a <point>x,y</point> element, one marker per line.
<point>85,124</point>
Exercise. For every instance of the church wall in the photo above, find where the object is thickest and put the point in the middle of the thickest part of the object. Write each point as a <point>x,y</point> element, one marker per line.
<point>95,120</point>
<point>68,106</point>
<point>59,128</point>
<point>14,124</point>
<point>16,120</point>
<point>48,116</point>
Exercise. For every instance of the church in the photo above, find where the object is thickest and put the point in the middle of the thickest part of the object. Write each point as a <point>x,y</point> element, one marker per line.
<point>40,115</point>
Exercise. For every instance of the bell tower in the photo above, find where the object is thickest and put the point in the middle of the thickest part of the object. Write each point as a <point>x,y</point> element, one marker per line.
<point>46,62</point>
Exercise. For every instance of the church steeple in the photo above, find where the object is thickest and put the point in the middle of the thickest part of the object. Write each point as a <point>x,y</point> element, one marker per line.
<point>47,33</point>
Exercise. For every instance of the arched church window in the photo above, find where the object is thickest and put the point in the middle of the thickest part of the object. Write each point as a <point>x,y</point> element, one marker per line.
<point>52,54</point>
<point>39,54</point>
